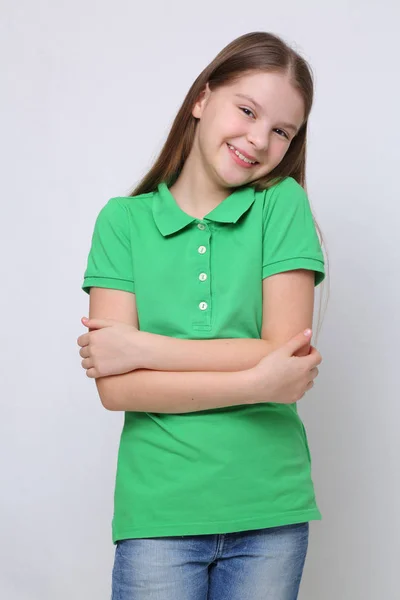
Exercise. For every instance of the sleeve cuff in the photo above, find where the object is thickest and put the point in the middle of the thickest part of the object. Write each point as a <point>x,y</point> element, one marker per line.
<point>108,282</point>
<point>290,264</point>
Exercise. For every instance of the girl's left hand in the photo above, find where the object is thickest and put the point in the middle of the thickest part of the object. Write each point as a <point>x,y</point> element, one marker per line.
<point>111,349</point>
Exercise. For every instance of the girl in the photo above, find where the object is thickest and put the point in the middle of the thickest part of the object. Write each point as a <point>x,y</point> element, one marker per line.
<point>201,285</point>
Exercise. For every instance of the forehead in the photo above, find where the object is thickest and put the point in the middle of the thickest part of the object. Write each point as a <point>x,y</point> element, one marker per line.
<point>272,91</point>
<point>260,80</point>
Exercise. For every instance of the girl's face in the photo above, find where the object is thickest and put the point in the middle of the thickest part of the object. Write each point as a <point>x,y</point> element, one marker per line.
<point>256,117</point>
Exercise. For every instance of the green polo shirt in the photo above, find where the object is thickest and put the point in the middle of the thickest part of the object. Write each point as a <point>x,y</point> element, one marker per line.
<point>227,469</point>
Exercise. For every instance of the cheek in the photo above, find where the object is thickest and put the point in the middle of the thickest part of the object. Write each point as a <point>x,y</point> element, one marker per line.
<point>278,149</point>
<point>234,124</point>
<point>277,157</point>
<point>215,130</point>
<point>226,123</point>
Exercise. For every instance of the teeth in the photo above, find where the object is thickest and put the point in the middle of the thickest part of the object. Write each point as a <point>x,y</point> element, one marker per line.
<point>251,162</point>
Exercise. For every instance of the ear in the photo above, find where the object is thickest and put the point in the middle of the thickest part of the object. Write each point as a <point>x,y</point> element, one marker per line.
<point>201,102</point>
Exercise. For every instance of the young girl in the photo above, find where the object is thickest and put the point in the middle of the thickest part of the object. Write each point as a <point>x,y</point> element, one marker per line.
<point>201,286</point>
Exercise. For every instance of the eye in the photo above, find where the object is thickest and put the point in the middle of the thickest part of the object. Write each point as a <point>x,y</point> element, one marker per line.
<point>243,108</point>
<point>284,133</point>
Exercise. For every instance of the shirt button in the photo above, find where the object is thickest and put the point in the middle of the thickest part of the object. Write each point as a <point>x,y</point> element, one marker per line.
<point>201,226</point>
<point>202,249</point>
<point>203,305</point>
<point>203,276</point>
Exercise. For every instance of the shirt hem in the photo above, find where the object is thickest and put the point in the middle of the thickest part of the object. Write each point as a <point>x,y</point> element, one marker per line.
<point>218,527</point>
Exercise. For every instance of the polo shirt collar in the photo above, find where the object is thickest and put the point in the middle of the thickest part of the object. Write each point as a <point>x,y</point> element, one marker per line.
<point>170,218</point>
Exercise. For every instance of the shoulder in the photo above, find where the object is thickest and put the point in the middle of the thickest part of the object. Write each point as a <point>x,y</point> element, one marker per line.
<point>130,203</point>
<point>285,196</point>
<point>286,188</point>
<point>120,207</point>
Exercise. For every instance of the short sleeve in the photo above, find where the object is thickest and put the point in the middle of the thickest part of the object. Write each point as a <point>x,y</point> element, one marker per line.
<point>109,263</point>
<point>290,239</point>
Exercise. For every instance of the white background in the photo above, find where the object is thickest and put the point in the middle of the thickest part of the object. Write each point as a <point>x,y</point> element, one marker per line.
<point>88,93</point>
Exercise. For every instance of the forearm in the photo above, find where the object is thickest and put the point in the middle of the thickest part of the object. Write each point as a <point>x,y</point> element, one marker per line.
<point>163,353</point>
<point>175,392</point>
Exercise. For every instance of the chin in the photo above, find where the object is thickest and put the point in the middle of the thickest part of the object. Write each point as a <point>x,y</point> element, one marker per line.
<point>230,176</point>
<point>234,179</point>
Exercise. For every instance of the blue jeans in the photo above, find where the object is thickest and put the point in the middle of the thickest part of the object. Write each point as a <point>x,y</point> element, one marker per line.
<point>262,564</point>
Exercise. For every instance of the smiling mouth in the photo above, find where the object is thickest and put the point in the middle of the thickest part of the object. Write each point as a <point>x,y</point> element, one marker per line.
<point>243,158</point>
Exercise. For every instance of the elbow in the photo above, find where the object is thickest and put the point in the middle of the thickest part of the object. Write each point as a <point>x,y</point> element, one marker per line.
<point>108,404</point>
<point>105,394</point>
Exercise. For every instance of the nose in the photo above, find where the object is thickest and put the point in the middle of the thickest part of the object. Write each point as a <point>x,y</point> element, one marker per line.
<point>258,137</point>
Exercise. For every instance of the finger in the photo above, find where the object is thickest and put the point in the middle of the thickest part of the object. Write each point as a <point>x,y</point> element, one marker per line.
<point>87,363</point>
<point>298,341</point>
<point>92,373</point>
<point>83,339</point>
<point>97,323</point>
<point>314,372</point>
<point>85,352</point>
<point>309,386</point>
<point>314,357</point>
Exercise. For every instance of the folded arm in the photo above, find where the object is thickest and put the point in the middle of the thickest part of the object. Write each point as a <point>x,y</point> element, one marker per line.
<point>175,392</point>
<point>163,353</point>
<point>190,383</point>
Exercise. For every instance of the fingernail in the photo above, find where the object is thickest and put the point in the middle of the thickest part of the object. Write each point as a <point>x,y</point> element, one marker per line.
<point>307,332</point>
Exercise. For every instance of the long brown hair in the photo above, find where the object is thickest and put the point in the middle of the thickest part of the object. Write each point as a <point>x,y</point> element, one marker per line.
<point>256,51</point>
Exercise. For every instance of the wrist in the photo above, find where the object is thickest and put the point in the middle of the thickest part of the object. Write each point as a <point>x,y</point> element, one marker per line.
<point>144,349</point>
<point>247,380</point>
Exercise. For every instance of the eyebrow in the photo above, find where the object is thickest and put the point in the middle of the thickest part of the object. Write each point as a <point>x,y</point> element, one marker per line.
<point>259,107</point>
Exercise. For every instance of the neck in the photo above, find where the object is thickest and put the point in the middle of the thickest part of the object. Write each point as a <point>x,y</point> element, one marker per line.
<point>194,191</point>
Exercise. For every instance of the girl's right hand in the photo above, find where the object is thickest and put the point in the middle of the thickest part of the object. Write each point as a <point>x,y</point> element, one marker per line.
<point>283,378</point>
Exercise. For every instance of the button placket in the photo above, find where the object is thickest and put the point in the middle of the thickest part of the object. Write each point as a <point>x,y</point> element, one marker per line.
<point>203,308</point>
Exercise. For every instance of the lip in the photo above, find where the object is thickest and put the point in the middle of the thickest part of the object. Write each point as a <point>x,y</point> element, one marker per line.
<point>245,154</point>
